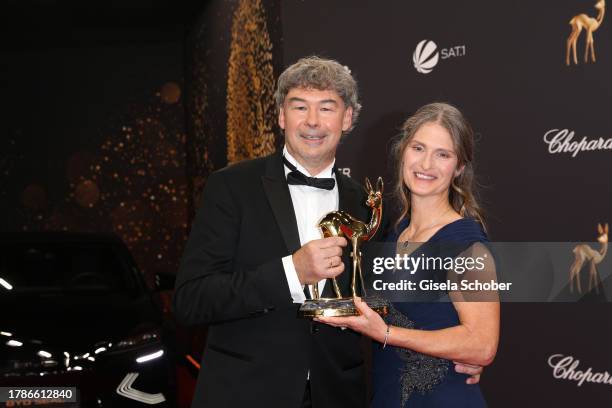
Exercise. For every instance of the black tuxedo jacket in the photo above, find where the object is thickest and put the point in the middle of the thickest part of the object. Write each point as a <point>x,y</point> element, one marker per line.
<point>231,277</point>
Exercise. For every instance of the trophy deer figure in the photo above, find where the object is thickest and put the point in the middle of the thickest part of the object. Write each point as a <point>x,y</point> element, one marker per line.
<point>590,24</point>
<point>342,224</point>
<point>584,253</point>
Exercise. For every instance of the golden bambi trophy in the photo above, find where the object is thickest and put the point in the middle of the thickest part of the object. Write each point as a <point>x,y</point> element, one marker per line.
<point>342,224</point>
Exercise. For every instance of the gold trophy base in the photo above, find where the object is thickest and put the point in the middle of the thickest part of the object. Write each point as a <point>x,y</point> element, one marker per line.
<point>334,307</point>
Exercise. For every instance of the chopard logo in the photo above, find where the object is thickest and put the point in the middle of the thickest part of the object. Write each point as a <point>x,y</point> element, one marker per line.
<point>561,141</point>
<point>566,368</point>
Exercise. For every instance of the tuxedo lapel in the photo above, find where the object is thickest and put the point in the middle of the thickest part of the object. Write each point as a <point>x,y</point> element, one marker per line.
<point>277,192</point>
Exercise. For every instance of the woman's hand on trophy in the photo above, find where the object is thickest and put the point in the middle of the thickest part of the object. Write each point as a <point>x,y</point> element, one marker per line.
<point>369,323</point>
<point>319,259</point>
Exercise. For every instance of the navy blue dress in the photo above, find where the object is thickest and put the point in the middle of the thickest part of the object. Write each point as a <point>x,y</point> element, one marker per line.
<point>406,379</point>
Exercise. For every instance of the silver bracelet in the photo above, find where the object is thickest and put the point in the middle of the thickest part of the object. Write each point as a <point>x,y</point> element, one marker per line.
<point>387,335</point>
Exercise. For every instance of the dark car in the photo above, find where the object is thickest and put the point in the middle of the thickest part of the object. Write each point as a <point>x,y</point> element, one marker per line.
<point>75,311</point>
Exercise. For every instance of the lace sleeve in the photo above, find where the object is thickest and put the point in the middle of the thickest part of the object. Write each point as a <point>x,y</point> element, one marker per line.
<point>419,372</point>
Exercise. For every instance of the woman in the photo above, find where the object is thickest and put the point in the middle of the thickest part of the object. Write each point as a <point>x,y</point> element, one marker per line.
<point>420,340</point>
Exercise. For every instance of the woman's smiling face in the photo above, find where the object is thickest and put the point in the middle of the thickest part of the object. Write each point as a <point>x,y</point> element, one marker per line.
<point>430,161</point>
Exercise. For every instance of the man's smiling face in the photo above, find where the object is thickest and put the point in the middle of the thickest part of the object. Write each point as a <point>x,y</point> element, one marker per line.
<point>313,121</point>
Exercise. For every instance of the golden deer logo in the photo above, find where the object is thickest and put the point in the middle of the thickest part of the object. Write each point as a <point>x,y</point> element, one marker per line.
<point>590,24</point>
<point>584,253</point>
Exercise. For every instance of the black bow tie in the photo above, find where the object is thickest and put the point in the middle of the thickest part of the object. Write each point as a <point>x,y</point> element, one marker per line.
<point>296,177</point>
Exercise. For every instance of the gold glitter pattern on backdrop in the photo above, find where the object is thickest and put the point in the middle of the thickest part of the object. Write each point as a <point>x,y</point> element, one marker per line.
<point>132,184</point>
<point>199,134</point>
<point>250,85</point>
<point>141,171</point>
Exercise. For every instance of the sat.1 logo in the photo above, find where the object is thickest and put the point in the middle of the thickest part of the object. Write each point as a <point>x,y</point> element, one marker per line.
<point>426,55</point>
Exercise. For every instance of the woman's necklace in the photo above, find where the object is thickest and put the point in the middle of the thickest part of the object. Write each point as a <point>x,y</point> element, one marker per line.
<point>421,230</point>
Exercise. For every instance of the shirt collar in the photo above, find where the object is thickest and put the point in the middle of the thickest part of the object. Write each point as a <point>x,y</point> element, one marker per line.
<point>326,172</point>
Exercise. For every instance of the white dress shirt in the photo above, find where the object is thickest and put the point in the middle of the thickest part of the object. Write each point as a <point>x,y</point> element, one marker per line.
<point>310,205</point>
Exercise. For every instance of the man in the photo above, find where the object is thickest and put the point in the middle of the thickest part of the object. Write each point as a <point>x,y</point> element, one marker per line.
<point>254,245</point>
